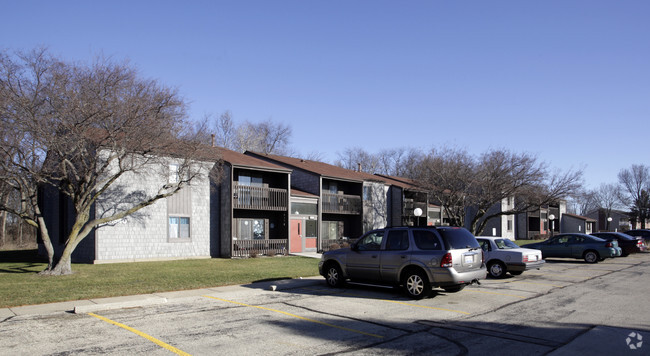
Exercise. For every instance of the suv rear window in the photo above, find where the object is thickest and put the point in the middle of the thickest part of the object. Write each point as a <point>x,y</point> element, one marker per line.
<point>458,238</point>
<point>426,240</point>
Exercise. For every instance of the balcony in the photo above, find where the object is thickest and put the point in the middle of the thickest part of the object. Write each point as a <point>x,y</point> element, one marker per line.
<point>253,248</point>
<point>259,198</point>
<point>341,204</point>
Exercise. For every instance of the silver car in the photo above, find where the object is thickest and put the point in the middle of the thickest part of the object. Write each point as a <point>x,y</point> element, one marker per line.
<point>416,258</point>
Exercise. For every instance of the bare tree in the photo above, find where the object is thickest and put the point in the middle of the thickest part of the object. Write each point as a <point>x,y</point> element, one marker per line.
<point>635,187</point>
<point>448,174</point>
<point>265,137</point>
<point>582,202</point>
<point>224,131</point>
<point>607,197</point>
<point>86,126</point>
<point>398,162</point>
<point>357,159</point>
<point>468,187</point>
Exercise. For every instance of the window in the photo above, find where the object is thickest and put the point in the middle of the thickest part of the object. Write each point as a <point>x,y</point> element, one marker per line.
<point>311,227</point>
<point>371,242</point>
<point>505,244</point>
<point>332,230</point>
<point>426,240</point>
<point>179,227</point>
<point>398,240</point>
<point>304,208</point>
<point>510,224</point>
<point>367,193</point>
<point>250,180</point>
<point>252,229</point>
<point>174,173</point>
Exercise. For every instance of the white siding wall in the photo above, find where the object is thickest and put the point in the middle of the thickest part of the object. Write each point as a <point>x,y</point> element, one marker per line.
<point>508,204</point>
<point>144,235</point>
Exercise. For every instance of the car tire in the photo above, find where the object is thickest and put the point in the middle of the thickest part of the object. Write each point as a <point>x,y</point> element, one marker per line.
<point>591,256</point>
<point>454,289</point>
<point>497,269</point>
<point>416,284</point>
<point>516,273</point>
<point>334,275</point>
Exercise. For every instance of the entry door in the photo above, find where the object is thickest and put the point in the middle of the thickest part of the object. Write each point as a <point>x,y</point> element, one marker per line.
<point>297,233</point>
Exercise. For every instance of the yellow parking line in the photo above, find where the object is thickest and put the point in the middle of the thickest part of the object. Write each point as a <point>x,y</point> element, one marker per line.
<point>297,316</point>
<point>139,333</point>
<point>486,292</point>
<point>398,302</point>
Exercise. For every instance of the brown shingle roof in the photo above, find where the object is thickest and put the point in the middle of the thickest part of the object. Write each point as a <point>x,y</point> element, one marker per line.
<point>245,161</point>
<point>323,169</point>
<point>401,182</point>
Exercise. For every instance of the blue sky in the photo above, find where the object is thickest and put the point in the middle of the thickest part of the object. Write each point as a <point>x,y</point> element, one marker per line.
<point>568,81</point>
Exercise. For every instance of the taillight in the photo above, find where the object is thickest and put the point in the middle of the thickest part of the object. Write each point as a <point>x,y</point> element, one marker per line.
<point>609,244</point>
<point>482,257</point>
<point>446,261</point>
<point>526,258</point>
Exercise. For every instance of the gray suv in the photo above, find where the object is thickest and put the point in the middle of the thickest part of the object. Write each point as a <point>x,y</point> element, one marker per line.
<point>417,258</point>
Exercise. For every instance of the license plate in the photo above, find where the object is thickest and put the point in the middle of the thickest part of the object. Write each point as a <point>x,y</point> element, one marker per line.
<point>469,258</point>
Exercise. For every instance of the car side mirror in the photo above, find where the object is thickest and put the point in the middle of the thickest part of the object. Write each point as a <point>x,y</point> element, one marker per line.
<point>354,247</point>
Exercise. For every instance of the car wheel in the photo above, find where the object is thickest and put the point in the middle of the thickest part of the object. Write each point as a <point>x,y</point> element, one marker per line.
<point>416,284</point>
<point>516,273</point>
<point>591,256</point>
<point>454,289</point>
<point>497,269</point>
<point>334,276</point>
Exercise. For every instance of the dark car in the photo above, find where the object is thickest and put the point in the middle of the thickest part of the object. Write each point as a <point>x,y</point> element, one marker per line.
<point>417,258</point>
<point>591,248</point>
<point>627,243</point>
<point>642,233</point>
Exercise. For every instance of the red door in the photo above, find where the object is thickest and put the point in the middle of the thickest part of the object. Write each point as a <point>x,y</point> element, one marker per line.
<point>295,244</point>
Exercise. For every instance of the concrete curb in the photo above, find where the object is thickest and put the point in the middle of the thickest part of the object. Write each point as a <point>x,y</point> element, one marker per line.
<point>134,301</point>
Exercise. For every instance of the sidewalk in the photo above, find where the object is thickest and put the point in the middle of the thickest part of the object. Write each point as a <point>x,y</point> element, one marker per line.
<point>131,301</point>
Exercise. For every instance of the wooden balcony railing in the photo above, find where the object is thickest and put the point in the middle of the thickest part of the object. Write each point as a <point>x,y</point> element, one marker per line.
<point>341,204</point>
<point>253,248</point>
<point>259,198</point>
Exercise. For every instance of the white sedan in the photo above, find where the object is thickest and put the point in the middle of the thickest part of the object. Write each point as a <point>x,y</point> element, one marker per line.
<point>503,256</point>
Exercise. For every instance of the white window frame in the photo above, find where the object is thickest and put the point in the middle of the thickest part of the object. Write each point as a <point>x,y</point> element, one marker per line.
<point>175,233</point>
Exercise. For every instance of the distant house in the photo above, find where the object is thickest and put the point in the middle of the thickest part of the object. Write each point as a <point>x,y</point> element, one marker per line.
<point>503,225</point>
<point>577,223</point>
<point>538,224</point>
<point>614,220</point>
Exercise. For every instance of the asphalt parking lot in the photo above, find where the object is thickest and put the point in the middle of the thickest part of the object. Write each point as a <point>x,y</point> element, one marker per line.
<point>568,307</point>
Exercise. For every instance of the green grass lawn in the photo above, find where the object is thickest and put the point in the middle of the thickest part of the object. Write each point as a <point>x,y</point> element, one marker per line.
<point>21,285</point>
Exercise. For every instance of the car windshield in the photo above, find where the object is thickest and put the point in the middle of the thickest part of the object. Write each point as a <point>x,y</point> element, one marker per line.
<point>457,238</point>
<point>505,244</point>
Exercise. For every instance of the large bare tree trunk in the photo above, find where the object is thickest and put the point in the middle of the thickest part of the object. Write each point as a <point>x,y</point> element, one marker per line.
<point>47,242</point>
<point>3,228</point>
